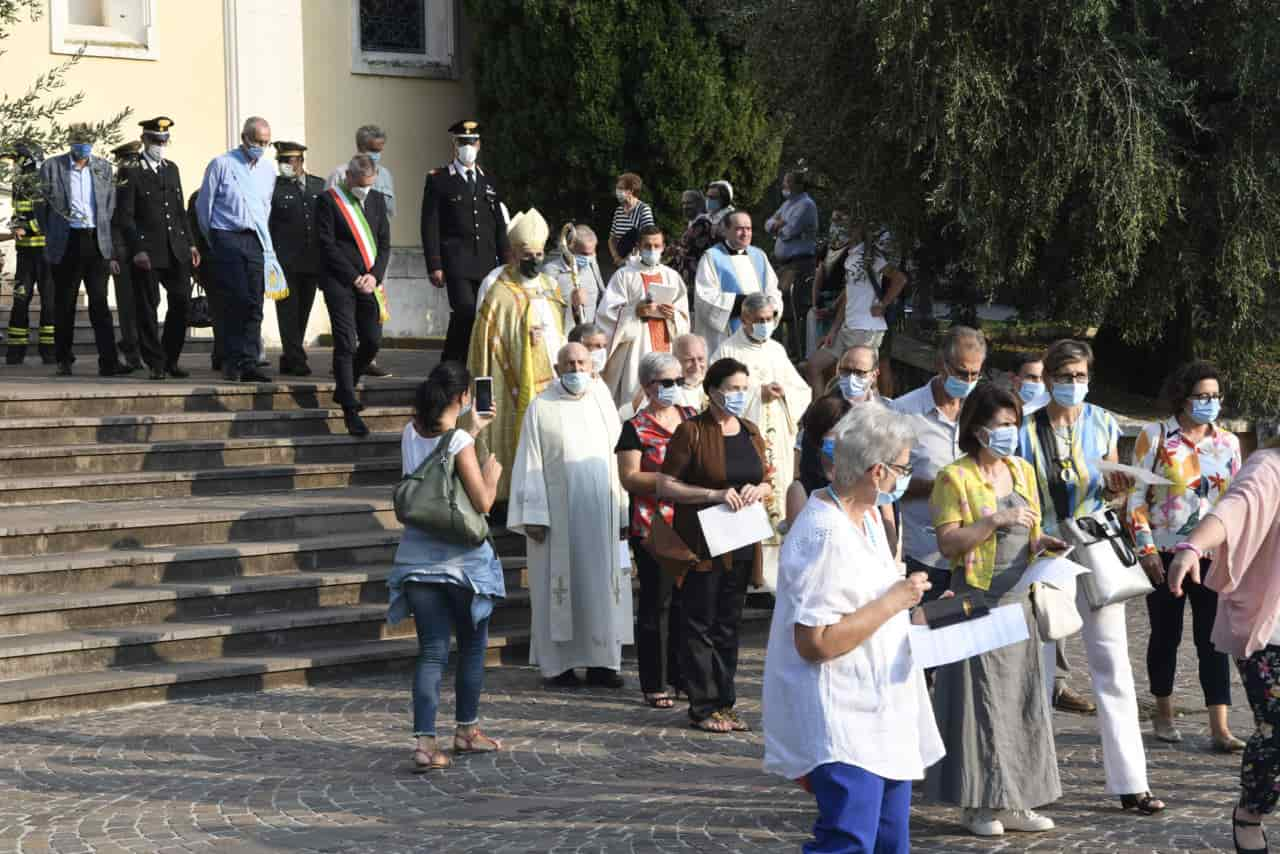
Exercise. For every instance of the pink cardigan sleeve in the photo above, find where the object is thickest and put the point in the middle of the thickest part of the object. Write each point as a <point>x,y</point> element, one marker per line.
<point>1249,513</point>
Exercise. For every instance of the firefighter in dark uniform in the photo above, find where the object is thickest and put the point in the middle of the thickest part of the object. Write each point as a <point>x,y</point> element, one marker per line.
<point>293,219</point>
<point>464,233</point>
<point>33,274</point>
<point>125,157</point>
<point>152,216</point>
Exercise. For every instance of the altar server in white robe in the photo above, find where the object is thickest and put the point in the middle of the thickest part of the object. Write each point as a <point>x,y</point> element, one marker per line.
<point>776,398</point>
<point>727,273</point>
<point>645,308</point>
<point>567,499</point>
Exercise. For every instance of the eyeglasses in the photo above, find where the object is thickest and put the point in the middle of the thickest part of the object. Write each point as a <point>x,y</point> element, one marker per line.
<point>667,383</point>
<point>856,373</point>
<point>1206,398</point>
<point>967,376</point>
<point>1070,378</point>
<point>903,471</point>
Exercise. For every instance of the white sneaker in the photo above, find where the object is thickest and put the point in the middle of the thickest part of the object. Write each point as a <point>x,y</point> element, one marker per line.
<point>981,822</point>
<point>1028,821</point>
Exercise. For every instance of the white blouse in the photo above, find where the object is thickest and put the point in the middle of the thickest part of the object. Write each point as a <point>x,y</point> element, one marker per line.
<point>867,708</point>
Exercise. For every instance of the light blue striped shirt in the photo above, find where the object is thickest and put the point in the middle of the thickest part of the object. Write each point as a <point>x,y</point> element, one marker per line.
<point>81,195</point>
<point>221,204</point>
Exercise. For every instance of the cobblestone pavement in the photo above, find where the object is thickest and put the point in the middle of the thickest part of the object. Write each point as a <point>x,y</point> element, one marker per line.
<point>326,769</point>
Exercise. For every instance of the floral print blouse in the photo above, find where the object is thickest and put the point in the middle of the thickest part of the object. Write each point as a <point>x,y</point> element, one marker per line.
<point>1163,516</point>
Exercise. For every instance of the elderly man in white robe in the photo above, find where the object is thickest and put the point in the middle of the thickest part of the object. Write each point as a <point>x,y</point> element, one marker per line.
<point>645,308</point>
<point>577,272</point>
<point>568,501</point>
<point>776,398</point>
<point>728,272</point>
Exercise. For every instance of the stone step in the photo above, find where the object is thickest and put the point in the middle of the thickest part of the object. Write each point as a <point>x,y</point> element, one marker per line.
<point>32,531</point>
<point>95,571</point>
<point>181,484</point>
<point>85,395</point>
<point>32,461</point>
<point>78,692</point>
<point>175,427</point>
<point>349,618</point>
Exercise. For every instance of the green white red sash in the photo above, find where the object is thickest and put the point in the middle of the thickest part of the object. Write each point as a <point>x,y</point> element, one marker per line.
<point>354,215</point>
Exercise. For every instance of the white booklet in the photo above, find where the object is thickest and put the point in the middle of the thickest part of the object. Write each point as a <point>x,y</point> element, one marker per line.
<point>663,294</point>
<point>726,530</point>
<point>1050,569</point>
<point>936,647</point>
<point>1146,477</point>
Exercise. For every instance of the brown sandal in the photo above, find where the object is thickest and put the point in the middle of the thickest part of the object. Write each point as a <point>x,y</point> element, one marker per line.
<point>436,760</point>
<point>659,700</point>
<point>477,742</point>
<point>715,722</point>
<point>738,724</point>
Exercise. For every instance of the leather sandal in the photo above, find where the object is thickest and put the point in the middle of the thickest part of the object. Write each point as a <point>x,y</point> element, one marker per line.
<point>715,722</point>
<point>476,742</point>
<point>1143,802</point>
<point>738,724</point>
<point>1235,822</point>
<point>430,760</point>
<point>659,700</point>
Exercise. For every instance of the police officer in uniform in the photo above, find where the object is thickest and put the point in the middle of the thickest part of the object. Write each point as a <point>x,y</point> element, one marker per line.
<point>464,233</point>
<point>125,158</point>
<point>152,214</point>
<point>293,217</point>
<point>33,273</point>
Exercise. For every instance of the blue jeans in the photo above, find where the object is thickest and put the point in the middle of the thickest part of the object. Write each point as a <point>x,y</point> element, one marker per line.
<point>437,610</point>
<point>859,812</point>
<point>238,265</point>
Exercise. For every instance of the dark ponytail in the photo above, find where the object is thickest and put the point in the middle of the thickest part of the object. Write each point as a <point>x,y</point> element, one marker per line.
<point>448,381</point>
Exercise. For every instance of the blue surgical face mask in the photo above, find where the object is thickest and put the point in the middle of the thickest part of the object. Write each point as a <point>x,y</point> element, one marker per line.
<point>853,386</point>
<point>375,156</point>
<point>899,490</point>
<point>465,409</point>
<point>575,383</point>
<point>761,331</point>
<point>829,448</point>
<point>583,261</point>
<point>786,194</point>
<point>1070,394</point>
<point>713,205</point>
<point>958,389</point>
<point>1030,391</point>
<point>81,150</point>
<point>1002,441</point>
<point>254,152</point>
<point>651,257</point>
<point>668,395</point>
<point>735,402</point>
<point>1205,411</point>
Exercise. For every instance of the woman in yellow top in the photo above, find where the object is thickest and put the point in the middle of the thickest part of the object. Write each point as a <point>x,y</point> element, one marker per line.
<point>991,709</point>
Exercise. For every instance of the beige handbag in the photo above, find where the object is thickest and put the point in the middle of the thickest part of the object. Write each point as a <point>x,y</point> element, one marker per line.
<point>1055,610</point>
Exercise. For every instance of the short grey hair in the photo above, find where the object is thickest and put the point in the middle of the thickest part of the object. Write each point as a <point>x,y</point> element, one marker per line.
<point>367,134</point>
<point>683,342</point>
<point>361,166</point>
<point>583,233</point>
<point>869,433</point>
<point>961,338</point>
<point>653,364</point>
<point>875,354</point>
<point>253,123</point>
<point>585,330</point>
<point>756,302</point>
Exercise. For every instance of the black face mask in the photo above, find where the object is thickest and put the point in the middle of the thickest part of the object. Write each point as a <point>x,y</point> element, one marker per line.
<point>529,267</point>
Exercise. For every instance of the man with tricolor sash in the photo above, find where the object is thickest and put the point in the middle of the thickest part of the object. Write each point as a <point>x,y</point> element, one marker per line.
<point>354,234</point>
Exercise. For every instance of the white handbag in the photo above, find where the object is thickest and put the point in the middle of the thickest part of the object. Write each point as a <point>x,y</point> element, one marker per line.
<point>1102,546</point>
<point>1055,610</point>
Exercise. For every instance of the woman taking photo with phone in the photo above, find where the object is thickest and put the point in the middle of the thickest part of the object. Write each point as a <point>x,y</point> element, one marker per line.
<point>445,586</point>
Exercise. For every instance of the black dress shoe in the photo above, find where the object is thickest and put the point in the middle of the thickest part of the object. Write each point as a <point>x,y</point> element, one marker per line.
<point>64,369</point>
<point>604,677</point>
<point>133,363</point>
<point>355,424</point>
<point>568,679</point>
<point>215,363</point>
<point>231,376</point>
<point>119,369</point>
<point>157,373</point>
<point>253,375</point>
<point>374,370</point>
<point>177,372</point>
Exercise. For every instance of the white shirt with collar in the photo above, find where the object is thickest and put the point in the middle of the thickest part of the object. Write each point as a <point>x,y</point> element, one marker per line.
<point>937,446</point>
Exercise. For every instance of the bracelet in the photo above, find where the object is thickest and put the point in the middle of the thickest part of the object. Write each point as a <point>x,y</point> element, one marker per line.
<point>1188,547</point>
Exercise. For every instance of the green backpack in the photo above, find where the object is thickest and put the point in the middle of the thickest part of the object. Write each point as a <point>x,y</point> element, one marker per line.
<point>432,499</point>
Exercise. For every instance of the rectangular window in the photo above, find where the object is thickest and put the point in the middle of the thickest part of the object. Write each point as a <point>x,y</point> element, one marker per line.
<point>119,28</point>
<point>405,38</point>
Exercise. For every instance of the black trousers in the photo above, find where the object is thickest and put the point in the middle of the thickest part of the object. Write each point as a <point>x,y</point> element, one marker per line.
<point>33,275</point>
<point>238,265</point>
<point>711,610</point>
<point>292,314</point>
<point>657,623</point>
<point>127,306</point>
<point>357,332</point>
<point>462,316</point>
<point>163,352</point>
<point>82,263</point>
<point>1166,612</point>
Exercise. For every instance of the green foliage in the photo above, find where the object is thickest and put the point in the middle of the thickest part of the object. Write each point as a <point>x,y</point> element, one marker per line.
<point>1107,163</point>
<point>33,116</point>
<point>572,93</point>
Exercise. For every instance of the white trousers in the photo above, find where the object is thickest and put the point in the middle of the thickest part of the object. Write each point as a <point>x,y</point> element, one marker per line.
<point>1106,646</point>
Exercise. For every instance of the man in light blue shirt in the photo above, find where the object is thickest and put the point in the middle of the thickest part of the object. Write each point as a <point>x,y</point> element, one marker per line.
<point>236,192</point>
<point>795,230</point>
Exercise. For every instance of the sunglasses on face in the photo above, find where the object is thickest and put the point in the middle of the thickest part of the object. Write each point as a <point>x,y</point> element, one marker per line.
<point>666,383</point>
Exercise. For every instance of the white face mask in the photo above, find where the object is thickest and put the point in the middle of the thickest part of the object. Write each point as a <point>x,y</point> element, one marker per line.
<point>598,358</point>
<point>360,193</point>
<point>575,382</point>
<point>467,154</point>
<point>651,257</point>
<point>621,196</point>
<point>287,171</point>
<point>156,151</point>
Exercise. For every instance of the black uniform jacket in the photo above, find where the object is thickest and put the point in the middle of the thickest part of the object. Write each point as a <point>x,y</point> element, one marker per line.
<point>341,256</point>
<point>293,224</point>
<point>463,235</point>
<point>151,213</point>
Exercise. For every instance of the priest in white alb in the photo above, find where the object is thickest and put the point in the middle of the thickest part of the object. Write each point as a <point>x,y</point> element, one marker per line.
<point>727,273</point>
<point>776,398</point>
<point>567,500</point>
<point>645,308</point>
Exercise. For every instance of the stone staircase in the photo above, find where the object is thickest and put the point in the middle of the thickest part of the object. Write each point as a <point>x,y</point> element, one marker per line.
<point>160,540</point>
